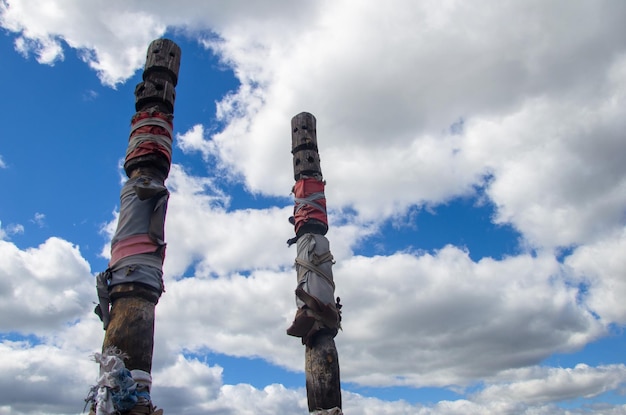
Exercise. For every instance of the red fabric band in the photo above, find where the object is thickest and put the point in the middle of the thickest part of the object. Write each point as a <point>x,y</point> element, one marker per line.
<point>310,202</point>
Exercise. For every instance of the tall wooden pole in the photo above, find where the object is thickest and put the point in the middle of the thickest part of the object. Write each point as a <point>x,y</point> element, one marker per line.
<point>318,316</point>
<point>133,283</point>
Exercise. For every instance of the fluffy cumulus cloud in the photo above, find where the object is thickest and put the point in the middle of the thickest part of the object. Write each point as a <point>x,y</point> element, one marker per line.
<point>568,199</point>
<point>395,99</point>
<point>202,231</point>
<point>602,268</point>
<point>106,36</point>
<point>520,103</point>
<point>544,385</point>
<point>42,288</point>
<point>452,320</point>
<point>30,370</point>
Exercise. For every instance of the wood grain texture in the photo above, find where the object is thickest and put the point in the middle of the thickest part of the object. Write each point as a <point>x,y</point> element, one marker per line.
<point>323,386</point>
<point>131,330</point>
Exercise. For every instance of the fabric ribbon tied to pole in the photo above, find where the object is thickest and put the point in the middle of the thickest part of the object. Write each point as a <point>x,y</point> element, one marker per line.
<point>151,133</point>
<point>310,203</point>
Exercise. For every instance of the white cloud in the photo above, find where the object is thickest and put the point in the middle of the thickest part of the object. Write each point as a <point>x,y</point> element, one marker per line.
<point>443,319</point>
<point>15,229</point>
<point>186,384</point>
<point>47,50</point>
<point>108,231</point>
<point>602,268</point>
<point>42,288</point>
<point>105,36</point>
<point>193,140</point>
<point>3,165</point>
<point>38,379</point>
<point>200,230</point>
<point>10,229</point>
<point>90,95</point>
<point>540,385</point>
<point>39,219</point>
<point>112,37</point>
<point>237,399</point>
<point>194,387</point>
<point>560,182</point>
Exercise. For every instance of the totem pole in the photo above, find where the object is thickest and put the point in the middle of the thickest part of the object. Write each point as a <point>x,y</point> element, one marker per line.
<point>318,317</point>
<point>133,282</point>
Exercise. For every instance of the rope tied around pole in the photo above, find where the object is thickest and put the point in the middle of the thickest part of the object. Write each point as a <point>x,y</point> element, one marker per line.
<point>317,308</point>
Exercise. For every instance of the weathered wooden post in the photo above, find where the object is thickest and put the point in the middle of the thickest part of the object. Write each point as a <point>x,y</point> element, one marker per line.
<point>133,282</point>
<point>318,317</point>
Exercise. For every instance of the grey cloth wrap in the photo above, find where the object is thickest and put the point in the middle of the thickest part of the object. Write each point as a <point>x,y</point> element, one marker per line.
<point>152,121</point>
<point>316,280</point>
<point>144,274</point>
<point>142,212</point>
<point>315,293</point>
<point>138,139</point>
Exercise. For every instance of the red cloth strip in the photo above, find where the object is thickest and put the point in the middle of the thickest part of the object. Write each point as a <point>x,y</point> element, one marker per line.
<point>155,114</point>
<point>158,127</point>
<point>151,129</point>
<point>310,202</point>
<point>149,148</point>
<point>133,245</point>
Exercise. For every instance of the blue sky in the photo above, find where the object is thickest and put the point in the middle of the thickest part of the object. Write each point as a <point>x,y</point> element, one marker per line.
<point>475,180</point>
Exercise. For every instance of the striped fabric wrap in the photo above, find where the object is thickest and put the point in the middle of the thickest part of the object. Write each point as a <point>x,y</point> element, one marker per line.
<point>150,133</point>
<point>310,202</point>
